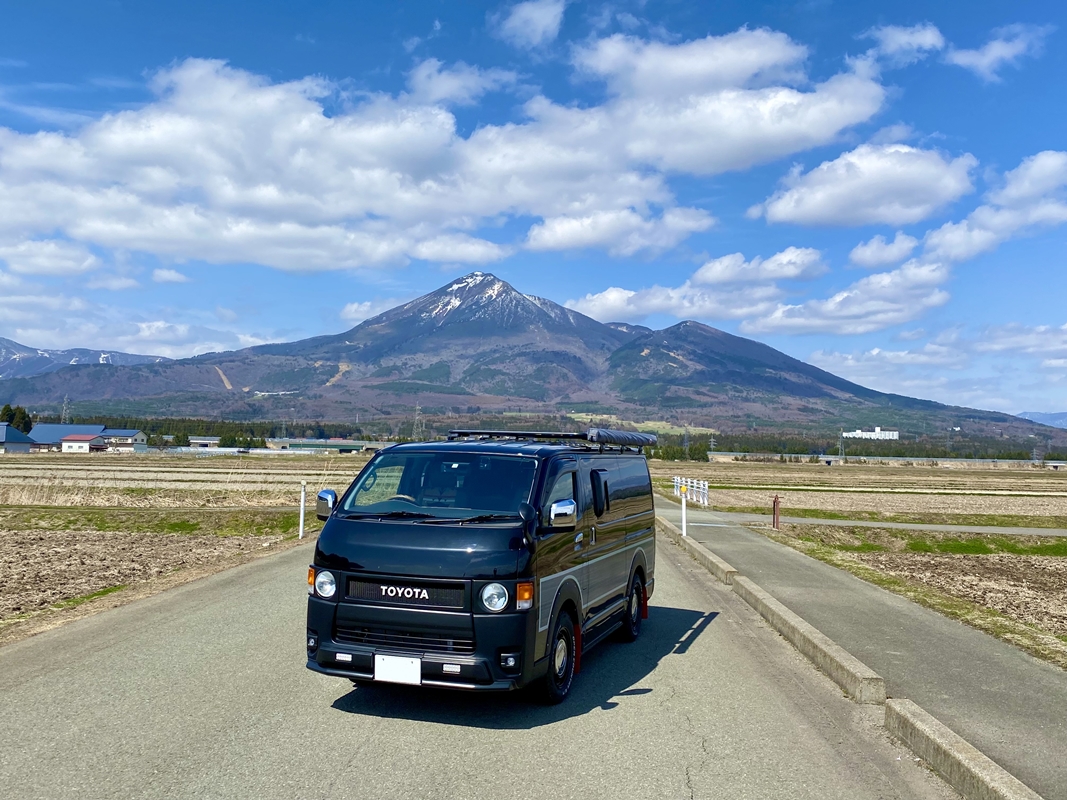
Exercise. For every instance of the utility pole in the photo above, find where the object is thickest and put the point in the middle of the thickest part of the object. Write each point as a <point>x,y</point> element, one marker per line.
<point>686,442</point>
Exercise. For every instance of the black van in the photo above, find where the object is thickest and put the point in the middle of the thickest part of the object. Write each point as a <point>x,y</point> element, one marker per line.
<point>487,562</point>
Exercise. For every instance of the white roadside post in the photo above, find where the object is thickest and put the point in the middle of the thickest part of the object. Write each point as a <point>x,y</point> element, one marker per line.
<point>684,491</point>
<point>303,502</point>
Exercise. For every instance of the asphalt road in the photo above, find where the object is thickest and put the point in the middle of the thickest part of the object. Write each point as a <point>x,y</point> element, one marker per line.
<point>1010,705</point>
<point>202,692</point>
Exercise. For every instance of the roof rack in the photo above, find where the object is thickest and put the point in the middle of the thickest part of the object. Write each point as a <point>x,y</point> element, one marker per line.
<point>599,436</point>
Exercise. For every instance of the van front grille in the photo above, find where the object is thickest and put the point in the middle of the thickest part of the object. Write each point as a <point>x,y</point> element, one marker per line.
<point>403,640</point>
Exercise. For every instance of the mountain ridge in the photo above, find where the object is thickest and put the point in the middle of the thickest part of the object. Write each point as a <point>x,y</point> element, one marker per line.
<point>21,361</point>
<point>478,343</point>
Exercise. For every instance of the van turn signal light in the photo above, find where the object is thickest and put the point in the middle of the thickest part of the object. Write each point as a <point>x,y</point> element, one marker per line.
<point>523,596</point>
<point>311,580</point>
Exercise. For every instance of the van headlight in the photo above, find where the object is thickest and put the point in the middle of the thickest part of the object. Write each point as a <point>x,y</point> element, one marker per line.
<point>495,597</point>
<point>325,584</point>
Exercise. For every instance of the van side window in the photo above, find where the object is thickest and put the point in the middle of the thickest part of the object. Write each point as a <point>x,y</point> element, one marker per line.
<point>562,489</point>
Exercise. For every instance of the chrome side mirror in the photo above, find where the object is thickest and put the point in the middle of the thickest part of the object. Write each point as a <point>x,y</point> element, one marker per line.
<point>324,503</point>
<point>563,514</point>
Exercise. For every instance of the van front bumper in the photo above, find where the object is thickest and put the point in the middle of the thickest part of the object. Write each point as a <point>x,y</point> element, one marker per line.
<point>472,660</point>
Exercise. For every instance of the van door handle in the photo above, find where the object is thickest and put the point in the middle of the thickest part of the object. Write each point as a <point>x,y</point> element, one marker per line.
<point>578,538</point>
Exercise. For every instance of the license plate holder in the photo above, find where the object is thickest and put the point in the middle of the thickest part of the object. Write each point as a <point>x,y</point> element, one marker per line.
<point>398,669</point>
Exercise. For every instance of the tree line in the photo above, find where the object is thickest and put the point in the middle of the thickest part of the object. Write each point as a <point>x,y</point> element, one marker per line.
<point>16,417</point>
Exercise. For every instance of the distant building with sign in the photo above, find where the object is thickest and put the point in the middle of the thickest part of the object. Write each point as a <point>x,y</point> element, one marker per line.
<point>877,433</point>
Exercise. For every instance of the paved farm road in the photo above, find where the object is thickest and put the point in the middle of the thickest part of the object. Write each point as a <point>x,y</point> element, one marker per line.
<point>201,692</point>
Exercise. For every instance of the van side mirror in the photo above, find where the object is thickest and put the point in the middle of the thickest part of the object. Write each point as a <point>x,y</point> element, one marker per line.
<point>324,503</point>
<point>563,514</point>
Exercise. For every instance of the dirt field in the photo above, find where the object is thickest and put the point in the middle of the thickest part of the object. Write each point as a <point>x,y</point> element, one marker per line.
<point>79,534</point>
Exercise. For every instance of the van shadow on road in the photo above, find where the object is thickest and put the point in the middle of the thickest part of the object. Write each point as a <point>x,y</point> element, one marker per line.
<point>608,672</point>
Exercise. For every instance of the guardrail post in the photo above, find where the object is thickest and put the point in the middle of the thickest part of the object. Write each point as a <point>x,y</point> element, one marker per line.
<point>777,523</point>
<point>303,502</point>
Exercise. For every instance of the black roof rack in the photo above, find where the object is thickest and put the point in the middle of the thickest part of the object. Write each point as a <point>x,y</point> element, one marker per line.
<point>600,436</point>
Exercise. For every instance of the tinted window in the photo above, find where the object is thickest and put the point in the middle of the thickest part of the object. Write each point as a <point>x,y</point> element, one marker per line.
<point>562,489</point>
<point>629,486</point>
<point>443,484</point>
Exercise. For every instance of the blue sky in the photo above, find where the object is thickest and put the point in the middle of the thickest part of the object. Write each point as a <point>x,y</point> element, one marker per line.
<point>877,188</point>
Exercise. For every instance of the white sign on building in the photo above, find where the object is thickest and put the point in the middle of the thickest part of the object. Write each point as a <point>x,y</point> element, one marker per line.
<point>877,433</point>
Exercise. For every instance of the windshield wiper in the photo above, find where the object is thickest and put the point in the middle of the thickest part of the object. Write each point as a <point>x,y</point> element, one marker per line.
<point>478,518</point>
<point>389,515</point>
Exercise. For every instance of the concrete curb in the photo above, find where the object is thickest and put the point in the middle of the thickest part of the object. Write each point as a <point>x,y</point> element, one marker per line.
<point>963,766</point>
<point>707,559</point>
<point>859,681</point>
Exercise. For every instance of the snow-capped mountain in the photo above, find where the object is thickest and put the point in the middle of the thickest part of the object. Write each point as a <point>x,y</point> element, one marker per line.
<point>19,361</point>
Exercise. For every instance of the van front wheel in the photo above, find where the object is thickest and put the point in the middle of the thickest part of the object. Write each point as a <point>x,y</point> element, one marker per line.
<point>556,685</point>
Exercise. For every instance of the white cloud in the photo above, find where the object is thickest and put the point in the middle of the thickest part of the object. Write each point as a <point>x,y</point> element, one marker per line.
<point>684,302</point>
<point>877,301</point>
<point>622,232</point>
<point>1032,196</point>
<point>893,184</point>
<point>168,276</point>
<point>357,312</point>
<point>1010,44</point>
<point>879,253</point>
<point>226,167</point>
<point>530,24</point>
<point>901,46</point>
<point>791,263</point>
<point>704,295</point>
<point>431,82</point>
<point>114,283</point>
<point>48,257</point>
<point>1032,339</point>
<point>716,104</point>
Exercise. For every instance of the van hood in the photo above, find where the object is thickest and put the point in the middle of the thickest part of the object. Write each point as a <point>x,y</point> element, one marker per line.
<point>404,547</point>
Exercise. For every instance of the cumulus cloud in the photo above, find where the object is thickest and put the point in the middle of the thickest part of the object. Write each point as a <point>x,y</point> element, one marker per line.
<point>671,102</point>
<point>168,276</point>
<point>877,301</point>
<point>224,166</point>
<point>684,302</point>
<point>895,184</point>
<point>622,232</point>
<point>877,252</point>
<point>900,46</point>
<point>530,24</point>
<point>1032,196</point>
<point>357,312</point>
<point>48,257</point>
<point>793,262</point>
<point>1009,45</point>
<point>432,82</point>
<point>707,294</point>
<point>1032,339</point>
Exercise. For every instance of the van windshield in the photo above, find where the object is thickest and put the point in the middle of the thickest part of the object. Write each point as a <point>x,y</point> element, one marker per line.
<point>444,485</point>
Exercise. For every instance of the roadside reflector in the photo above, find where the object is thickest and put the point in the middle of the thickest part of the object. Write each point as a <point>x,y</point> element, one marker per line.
<point>524,596</point>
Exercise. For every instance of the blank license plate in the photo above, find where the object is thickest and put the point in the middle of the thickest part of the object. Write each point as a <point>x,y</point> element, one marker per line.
<point>394,669</point>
